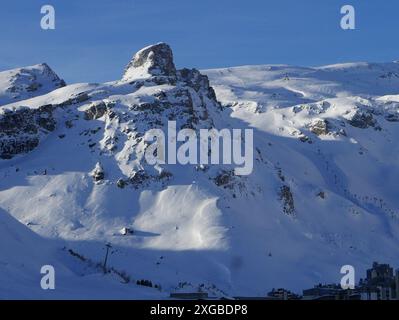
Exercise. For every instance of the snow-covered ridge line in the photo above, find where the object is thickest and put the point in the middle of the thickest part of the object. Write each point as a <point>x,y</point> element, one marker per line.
<point>24,83</point>
<point>323,192</point>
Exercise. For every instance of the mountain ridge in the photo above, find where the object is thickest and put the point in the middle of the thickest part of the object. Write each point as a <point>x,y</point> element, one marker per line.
<point>322,193</point>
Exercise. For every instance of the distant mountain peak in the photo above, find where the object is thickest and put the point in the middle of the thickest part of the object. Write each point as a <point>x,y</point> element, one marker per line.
<point>27,82</point>
<point>154,60</point>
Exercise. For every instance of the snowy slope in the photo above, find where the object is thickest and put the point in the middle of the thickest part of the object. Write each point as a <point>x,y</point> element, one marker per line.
<point>284,86</point>
<point>323,192</point>
<point>23,83</point>
<point>23,253</point>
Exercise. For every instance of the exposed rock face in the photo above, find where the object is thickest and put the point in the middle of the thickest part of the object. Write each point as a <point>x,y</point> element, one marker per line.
<point>223,178</point>
<point>155,60</point>
<point>98,173</point>
<point>194,79</point>
<point>392,117</point>
<point>121,183</point>
<point>78,98</point>
<point>22,127</point>
<point>287,200</point>
<point>362,120</point>
<point>188,102</point>
<point>319,127</point>
<point>20,130</point>
<point>12,146</point>
<point>95,111</point>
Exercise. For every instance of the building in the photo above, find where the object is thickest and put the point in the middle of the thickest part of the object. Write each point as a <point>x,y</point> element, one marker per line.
<point>330,292</point>
<point>380,284</point>
<point>282,294</point>
<point>380,274</point>
<point>397,284</point>
<point>189,295</point>
<point>378,293</point>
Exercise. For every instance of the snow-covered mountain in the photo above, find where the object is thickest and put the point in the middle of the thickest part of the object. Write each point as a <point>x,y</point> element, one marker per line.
<point>322,194</point>
<point>23,83</point>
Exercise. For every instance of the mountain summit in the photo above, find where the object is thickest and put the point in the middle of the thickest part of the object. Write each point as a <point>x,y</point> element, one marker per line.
<point>23,83</point>
<point>154,60</point>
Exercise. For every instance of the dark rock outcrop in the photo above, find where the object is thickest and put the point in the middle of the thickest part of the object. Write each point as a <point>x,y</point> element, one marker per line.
<point>96,110</point>
<point>319,127</point>
<point>287,199</point>
<point>20,130</point>
<point>156,60</point>
<point>98,173</point>
<point>362,120</point>
<point>391,117</point>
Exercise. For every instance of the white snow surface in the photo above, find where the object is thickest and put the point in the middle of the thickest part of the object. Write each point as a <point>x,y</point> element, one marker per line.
<point>239,239</point>
<point>23,83</point>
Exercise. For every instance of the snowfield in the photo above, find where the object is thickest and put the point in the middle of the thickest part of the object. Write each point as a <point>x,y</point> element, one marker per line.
<point>323,192</point>
<point>23,83</point>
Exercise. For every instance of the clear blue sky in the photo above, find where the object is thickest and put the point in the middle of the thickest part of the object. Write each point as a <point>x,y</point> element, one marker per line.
<point>95,39</point>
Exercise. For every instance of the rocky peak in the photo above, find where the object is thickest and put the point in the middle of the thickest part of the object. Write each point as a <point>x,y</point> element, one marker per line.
<point>194,79</point>
<point>154,60</point>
